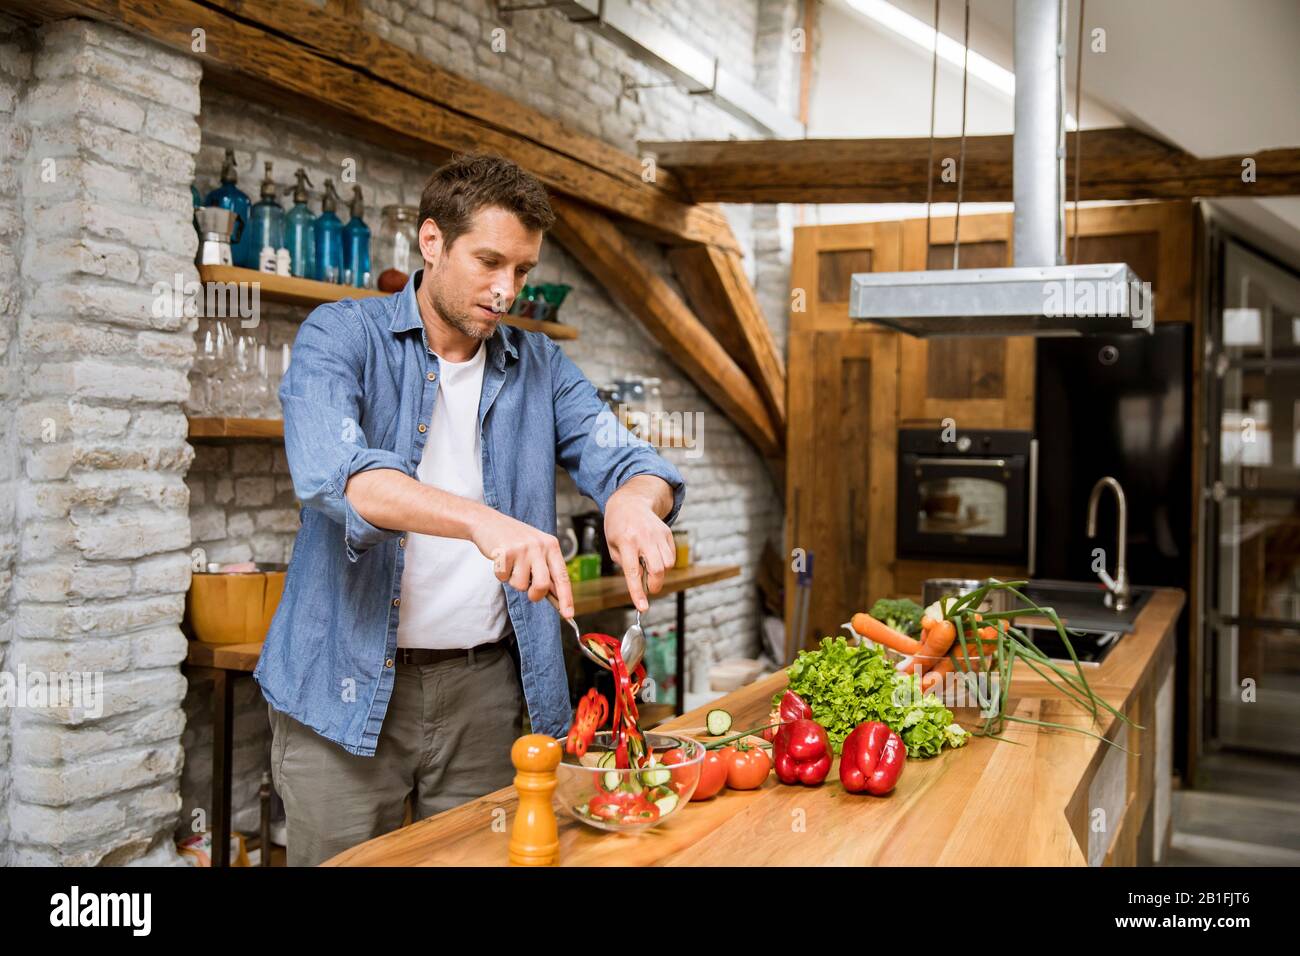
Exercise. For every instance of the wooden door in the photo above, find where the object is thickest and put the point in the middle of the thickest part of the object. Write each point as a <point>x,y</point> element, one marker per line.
<point>975,382</point>
<point>840,492</point>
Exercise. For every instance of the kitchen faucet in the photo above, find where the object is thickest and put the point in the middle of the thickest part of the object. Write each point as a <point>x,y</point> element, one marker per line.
<point>1117,593</point>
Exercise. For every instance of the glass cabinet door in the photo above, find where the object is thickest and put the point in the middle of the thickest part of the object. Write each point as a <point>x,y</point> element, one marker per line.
<point>1252,544</point>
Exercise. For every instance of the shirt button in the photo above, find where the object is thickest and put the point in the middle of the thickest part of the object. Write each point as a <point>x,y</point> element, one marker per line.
<point>423,428</point>
<point>397,602</point>
<point>401,542</point>
<point>388,663</point>
<point>431,376</point>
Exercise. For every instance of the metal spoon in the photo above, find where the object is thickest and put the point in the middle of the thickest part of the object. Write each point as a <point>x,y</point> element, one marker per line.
<point>632,646</point>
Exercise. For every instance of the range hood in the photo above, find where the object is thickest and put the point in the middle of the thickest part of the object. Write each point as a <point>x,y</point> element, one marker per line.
<point>1038,296</point>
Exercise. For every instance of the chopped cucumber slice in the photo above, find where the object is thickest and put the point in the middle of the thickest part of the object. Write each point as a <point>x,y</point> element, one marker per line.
<point>667,804</point>
<point>718,722</point>
<point>656,777</point>
<point>612,779</point>
<point>606,759</point>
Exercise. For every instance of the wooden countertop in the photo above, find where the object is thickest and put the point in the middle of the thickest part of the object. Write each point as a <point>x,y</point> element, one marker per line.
<point>1022,801</point>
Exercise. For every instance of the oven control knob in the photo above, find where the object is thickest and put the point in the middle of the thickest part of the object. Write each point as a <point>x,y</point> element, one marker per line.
<point>963,443</point>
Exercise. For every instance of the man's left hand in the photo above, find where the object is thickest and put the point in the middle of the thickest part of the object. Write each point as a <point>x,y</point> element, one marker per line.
<point>636,534</point>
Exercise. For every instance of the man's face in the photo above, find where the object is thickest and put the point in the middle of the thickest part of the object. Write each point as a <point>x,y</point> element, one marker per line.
<point>473,283</point>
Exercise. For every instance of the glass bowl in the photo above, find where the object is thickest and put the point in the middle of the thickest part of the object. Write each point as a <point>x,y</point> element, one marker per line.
<point>594,791</point>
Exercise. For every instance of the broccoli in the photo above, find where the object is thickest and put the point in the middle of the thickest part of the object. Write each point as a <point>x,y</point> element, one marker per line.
<point>902,614</point>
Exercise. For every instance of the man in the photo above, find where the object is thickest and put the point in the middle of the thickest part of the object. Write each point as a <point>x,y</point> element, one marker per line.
<point>423,435</point>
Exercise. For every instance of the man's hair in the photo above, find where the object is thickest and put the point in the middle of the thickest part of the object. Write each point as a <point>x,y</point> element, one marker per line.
<point>460,188</point>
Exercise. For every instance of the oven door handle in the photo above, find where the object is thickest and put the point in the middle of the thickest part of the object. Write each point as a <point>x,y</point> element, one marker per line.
<point>963,462</point>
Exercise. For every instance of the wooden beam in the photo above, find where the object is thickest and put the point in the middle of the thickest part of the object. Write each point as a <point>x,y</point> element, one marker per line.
<point>390,93</point>
<point>721,295</point>
<point>596,242</point>
<point>1118,164</point>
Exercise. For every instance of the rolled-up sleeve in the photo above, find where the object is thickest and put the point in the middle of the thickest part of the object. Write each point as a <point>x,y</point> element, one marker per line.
<point>593,446</point>
<point>323,437</point>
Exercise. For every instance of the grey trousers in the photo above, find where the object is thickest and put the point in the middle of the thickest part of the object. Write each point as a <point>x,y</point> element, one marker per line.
<point>445,740</point>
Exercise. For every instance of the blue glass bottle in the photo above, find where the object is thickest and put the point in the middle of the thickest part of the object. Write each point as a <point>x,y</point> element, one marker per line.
<point>229,196</point>
<point>328,230</point>
<point>266,222</point>
<point>356,245</point>
<point>299,237</point>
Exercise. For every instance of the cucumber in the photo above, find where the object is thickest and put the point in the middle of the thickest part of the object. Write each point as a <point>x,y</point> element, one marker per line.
<point>667,804</point>
<point>656,777</point>
<point>606,759</point>
<point>612,779</point>
<point>718,722</point>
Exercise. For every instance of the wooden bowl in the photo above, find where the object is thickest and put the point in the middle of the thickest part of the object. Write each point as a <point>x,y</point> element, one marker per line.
<point>233,608</point>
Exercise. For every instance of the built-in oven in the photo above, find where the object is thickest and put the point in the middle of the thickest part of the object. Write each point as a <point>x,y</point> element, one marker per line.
<point>965,495</point>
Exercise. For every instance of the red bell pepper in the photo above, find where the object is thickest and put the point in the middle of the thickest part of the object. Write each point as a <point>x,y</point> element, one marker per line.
<point>802,752</point>
<point>792,707</point>
<point>872,759</point>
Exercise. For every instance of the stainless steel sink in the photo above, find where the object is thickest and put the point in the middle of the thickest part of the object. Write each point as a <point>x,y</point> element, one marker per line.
<point>1090,647</point>
<point>1082,605</point>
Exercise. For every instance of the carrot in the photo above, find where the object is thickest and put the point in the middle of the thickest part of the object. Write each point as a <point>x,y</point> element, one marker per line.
<point>935,675</point>
<point>936,642</point>
<point>927,622</point>
<point>882,633</point>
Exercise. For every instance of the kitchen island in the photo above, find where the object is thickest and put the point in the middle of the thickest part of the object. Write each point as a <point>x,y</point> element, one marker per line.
<point>1040,797</point>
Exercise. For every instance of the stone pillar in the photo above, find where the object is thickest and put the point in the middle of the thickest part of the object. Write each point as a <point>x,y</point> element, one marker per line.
<point>101,507</point>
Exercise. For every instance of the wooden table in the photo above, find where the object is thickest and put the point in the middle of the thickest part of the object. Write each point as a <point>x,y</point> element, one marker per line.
<point>223,664</point>
<point>1026,801</point>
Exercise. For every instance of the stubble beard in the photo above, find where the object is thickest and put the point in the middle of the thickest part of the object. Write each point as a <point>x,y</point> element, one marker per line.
<point>460,320</point>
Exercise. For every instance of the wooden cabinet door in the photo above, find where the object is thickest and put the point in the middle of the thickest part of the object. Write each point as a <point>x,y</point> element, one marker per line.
<point>841,462</point>
<point>1154,238</point>
<point>977,382</point>
<point>822,265</point>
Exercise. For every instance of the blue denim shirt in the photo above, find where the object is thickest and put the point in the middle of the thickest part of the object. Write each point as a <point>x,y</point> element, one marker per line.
<point>356,392</point>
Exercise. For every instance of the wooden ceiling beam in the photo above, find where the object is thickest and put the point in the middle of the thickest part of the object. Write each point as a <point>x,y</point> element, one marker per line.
<point>396,95</point>
<point>597,244</point>
<point>720,293</point>
<point>1117,164</point>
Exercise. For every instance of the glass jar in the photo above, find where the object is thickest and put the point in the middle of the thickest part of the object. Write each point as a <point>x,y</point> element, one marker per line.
<point>396,247</point>
<point>682,544</point>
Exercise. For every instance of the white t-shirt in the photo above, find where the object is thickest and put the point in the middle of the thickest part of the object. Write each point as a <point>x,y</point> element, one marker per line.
<point>450,597</point>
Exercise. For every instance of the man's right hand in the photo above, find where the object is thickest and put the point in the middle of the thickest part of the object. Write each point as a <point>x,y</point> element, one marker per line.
<point>525,558</point>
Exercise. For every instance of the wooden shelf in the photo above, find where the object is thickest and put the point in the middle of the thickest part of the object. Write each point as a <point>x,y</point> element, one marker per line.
<point>310,293</point>
<point>221,430</point>
<point>600,594</point>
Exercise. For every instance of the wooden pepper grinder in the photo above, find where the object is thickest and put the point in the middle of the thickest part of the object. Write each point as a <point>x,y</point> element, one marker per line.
<point>535,840</point>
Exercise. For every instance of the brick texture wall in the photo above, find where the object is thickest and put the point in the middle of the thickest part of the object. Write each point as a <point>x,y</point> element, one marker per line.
<point>15,69</point>
<point>101,506</point>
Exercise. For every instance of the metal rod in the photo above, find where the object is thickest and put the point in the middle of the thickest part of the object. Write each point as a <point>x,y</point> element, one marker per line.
<point>929,169</point>
<point>1036,161</point>
<point>961,162</point>
<point>1078,129</point>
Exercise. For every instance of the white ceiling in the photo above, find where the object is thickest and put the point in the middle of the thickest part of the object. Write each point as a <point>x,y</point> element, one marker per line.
<point>1214,77</point>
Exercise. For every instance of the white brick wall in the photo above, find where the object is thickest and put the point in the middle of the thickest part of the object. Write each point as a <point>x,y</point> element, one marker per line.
<point>15,69</point>
<point>101,506</point>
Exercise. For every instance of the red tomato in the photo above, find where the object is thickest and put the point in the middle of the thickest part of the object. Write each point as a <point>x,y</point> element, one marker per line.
<point>746,769</point>
<point>713,776</point>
